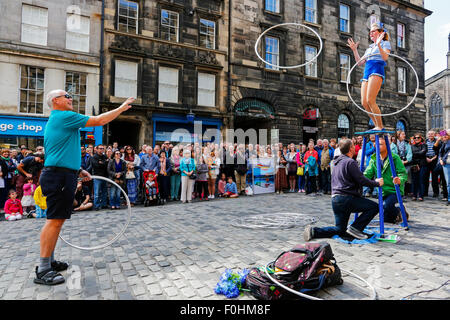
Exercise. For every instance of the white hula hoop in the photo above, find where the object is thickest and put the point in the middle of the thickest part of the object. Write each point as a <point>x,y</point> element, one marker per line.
<point>381,114</point>
<point>121,231</point>
<point>288,67</point>
<point>372,293</point>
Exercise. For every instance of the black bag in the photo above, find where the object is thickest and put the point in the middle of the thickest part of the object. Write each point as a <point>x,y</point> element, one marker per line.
<point>305,268</point>
<point>193,176</point>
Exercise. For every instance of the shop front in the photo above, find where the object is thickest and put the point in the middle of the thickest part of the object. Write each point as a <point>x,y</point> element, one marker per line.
<point>181,129</point>
<point>29,131</point>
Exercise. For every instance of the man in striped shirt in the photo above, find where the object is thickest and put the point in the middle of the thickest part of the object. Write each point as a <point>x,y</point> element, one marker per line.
<point>431,157</point>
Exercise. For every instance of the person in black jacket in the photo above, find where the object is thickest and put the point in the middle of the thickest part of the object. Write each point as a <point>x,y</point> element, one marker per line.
<point>418,166</point>
<point>116,172</point>
<point>346,183</point>
<point>240,172</point>
<point>99,165</point>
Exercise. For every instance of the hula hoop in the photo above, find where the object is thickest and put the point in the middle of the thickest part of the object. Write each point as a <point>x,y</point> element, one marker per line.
<point>381,114</point>
<point>121,231</point>
<point>282,220</point>
<point>288,67</point>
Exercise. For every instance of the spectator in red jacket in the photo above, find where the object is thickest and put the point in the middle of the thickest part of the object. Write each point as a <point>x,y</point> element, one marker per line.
<point>13,207</point>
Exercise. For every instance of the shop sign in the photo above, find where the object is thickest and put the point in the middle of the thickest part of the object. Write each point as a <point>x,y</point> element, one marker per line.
<point>17,126</point>
<point>311,114</point>
<point>310,129</point>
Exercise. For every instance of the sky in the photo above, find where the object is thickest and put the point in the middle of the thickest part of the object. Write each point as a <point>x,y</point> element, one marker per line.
<point>437,28</point>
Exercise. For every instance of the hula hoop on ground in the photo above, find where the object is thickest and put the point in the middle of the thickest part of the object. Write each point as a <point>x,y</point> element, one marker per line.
<point>282,220</point>
<point>289,67</point>
<point>373,292</point>
<point>121,231</point>
<point>381,114</point>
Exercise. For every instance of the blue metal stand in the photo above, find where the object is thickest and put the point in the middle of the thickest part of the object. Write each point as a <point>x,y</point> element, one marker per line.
<point>383,133</point>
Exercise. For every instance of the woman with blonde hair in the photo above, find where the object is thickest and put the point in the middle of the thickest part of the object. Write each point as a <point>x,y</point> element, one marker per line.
<point>374,73</point>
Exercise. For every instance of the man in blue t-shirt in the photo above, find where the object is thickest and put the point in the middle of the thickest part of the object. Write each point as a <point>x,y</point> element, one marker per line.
<point>58,179</point>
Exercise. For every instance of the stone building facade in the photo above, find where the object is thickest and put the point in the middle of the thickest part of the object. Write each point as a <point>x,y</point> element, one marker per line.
<point>437,91</point>
<point>183,58</point>
<point>312,102</point>
<point>46,45</point>
<point>171,56</point>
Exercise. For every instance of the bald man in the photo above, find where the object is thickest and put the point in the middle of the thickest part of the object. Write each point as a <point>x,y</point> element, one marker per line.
<point>58,179</point>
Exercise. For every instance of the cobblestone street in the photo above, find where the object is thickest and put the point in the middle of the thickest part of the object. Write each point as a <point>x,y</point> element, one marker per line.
<point>179,251</point>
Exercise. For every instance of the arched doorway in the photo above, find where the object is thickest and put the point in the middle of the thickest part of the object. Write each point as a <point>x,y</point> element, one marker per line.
<point>124,133</point>
<point>310,128</point>
<point>253,113</point>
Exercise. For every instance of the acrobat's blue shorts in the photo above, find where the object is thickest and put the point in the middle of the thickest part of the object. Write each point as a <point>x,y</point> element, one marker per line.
<point>374,68</point>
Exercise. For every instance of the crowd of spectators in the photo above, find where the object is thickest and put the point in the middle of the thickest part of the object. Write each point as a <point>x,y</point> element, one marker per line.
<point>185,172</point>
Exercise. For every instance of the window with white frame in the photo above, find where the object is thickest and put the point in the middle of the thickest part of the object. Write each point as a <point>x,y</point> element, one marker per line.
<point>169,25</point>
<point>344,66</point>
<point>344,18</point>
<point>272,52</point>
<point>31,96</point>
<point>311,11</point>
<point>126,79</point>
<point>34,25</point>
<point>76,86</point>
<point>207,34</point>
<point>343,125</point>
<point>401,76</point>
<point>168,85</point>
<point>311,69</point>
<point>77,33</point>
<point>206,95</point>
<point>400,35</point>
<point>128,16</point>
<point>273,6</point>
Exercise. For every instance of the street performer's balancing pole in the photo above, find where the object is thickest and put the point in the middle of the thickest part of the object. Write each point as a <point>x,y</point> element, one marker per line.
<point>383,133</point>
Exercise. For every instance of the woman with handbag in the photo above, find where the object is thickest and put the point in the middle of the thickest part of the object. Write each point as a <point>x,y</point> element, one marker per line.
<point>301,168</point>
<point>444,160</point>
<point>280,176</point>
<point>292,167</point>
<point>188,176</point>
<point>164,177</point>
<point>175,175</point>
<point>116,172</point>
<point>418,166</point>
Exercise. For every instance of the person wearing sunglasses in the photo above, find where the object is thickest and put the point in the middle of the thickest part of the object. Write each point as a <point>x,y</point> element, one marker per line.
<point>374,73</point>
<point>418,168</point>
<point>58,179</point>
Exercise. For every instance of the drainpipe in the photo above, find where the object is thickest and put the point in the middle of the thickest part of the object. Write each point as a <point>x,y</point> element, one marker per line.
<point>102,54</point>
<point>230,6</point>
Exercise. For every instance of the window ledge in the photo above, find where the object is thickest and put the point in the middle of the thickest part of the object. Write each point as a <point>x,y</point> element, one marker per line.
<point>310,77</point>
<point>312,24</point>
<point>276,14</point>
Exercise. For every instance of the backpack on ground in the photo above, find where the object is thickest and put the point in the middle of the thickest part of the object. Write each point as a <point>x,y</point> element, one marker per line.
<point>306,268</point>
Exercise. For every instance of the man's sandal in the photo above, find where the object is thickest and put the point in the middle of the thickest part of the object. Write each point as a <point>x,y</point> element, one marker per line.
<point>48,277</point>
<point>59,266</point>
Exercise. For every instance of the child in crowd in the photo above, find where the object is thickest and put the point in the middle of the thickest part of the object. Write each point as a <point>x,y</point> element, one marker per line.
<point>312,171</point>
<point>82,199</point>
<point>41,204</point>
<point>13,207</point>
<point>131,183</point>
<point>221,184</point>
<point>230,189</point>
<point>151,187</point>
<point>27,199</point>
